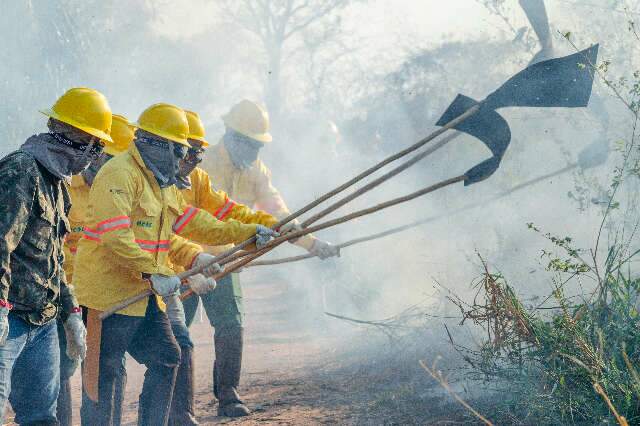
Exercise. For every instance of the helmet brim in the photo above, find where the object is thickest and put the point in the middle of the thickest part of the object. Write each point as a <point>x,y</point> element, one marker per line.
<point>260,137</point>
<point>172,138</point>
<point>104,136</point>
<point>200,139</point>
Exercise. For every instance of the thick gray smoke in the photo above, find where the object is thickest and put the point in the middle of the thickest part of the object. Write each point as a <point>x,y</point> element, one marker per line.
<point>358,84</point>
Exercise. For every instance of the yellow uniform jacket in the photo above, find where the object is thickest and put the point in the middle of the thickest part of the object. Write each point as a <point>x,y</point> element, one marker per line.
<point>133,227</point>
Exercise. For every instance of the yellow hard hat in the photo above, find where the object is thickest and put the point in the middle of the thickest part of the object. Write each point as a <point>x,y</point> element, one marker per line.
<point>196,128</point>
<point>85,109</point>
<point>165,120</point>
<point>249,119</point>
<point>122,133</point>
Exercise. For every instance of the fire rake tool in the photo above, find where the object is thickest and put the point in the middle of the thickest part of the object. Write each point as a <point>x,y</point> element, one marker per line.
<point>592,156</point>
<point>563,82</point>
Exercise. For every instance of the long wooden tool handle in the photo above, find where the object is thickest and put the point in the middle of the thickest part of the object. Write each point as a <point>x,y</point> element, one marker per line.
<point>364,212</point>
<point>125,303</point>
<point>415,224</point>
<point>371,185</point>
<point>221,258</point>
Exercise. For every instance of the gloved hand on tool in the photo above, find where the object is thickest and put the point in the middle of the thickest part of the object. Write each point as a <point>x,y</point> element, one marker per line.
<point>164,285</point>
<point>76,335</point>
<point>324,249</point>
<point>293,226</point>
<point>201,284</point>
<point>206,259</point>
<point>264,235</point>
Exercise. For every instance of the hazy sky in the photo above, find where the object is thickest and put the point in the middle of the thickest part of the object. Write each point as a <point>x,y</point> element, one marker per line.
<point>430,19</point>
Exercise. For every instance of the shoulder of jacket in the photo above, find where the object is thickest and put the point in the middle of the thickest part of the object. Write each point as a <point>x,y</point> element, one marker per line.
<point>121,165</point>
<point>199,174</point>
<point>262,169</point>
<point>19,165</point>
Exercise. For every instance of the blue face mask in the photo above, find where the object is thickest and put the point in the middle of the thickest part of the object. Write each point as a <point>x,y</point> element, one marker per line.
<point>242,150</point>
<point>90,173</point>
<point>160,156</point>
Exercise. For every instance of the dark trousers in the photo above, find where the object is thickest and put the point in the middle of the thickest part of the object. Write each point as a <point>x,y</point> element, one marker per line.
<point>149,340</point>
<point>223,305</point>
<point>225,310</point>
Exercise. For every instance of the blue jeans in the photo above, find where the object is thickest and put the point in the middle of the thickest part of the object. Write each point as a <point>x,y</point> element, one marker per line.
<point>30,371</point>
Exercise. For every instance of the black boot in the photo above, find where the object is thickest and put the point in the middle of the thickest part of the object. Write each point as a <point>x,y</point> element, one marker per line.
<point>182,405</point>
<point>63,412</point>
<point>228,344</point>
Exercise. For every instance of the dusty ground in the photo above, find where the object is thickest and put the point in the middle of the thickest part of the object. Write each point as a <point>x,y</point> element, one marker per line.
<point>296,376</point>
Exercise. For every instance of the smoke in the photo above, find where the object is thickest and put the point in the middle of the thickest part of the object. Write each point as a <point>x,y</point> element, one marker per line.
<point>378,86</point>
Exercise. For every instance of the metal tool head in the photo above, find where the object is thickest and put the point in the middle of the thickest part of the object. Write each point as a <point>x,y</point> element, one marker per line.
<point>487,126</point>
<point>561,82</point>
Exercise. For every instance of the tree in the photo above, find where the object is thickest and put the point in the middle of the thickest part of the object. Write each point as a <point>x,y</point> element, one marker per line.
<point>276,23</point>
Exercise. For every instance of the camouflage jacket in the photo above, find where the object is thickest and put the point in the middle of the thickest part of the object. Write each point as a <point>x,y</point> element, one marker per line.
<point>33,223</point>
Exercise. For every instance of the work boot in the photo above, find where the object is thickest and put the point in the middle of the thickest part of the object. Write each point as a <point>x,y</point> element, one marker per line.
<point>182,405</point>
<point>228,344</point>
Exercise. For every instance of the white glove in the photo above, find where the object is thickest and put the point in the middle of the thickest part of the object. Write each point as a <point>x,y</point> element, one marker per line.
<point>175,309</point>
<point>4,325</point>
<point>293,226</point>
<point>201,284</point>
<point>205,259</point>
<point>164,285</point>
<point>76,335</point>
<point>264,235</point>
<point>324,249</point>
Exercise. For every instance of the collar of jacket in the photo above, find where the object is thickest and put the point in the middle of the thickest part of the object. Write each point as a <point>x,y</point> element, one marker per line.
<point>77,181</point>
<point>133,150</point>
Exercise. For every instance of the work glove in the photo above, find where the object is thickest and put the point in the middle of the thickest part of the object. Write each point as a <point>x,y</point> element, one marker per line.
<point>201,284</point>
<point>4,325</point>
<point>324,249</point>
<point>76,335</point>
<point>164,285</point>
<point>175,308</point>
<point>205,259</point>
<point>264,235</point>
<point>293,226</point>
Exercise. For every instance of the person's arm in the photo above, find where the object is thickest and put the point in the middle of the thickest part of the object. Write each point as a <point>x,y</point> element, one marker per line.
<point>183,252</point>
<point>17,193</point>
<point>68,300</point>
<point>223,208</point>
<point>198,225</point>
<point>112,196</point>
<point>269,199</point>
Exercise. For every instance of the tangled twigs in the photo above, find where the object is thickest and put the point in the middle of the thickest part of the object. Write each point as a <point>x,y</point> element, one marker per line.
<point>499,311</point>
<point>438,377</point>
<point>388,325</point>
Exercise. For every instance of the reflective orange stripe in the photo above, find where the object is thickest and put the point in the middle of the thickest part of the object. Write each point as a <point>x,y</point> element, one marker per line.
<point>184,219</point>
<point>153,246</point>
<point>113,224</point>
<point>226,208</point>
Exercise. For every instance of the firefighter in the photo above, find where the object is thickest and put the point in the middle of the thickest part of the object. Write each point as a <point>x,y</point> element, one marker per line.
<point>198,191</point>
<point>233,167</point>
<point>136,217</point>
<point>34,292</point>
<point>122,135</point>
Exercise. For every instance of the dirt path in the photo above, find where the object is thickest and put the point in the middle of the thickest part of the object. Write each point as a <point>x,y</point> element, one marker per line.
<point>295,376</point>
